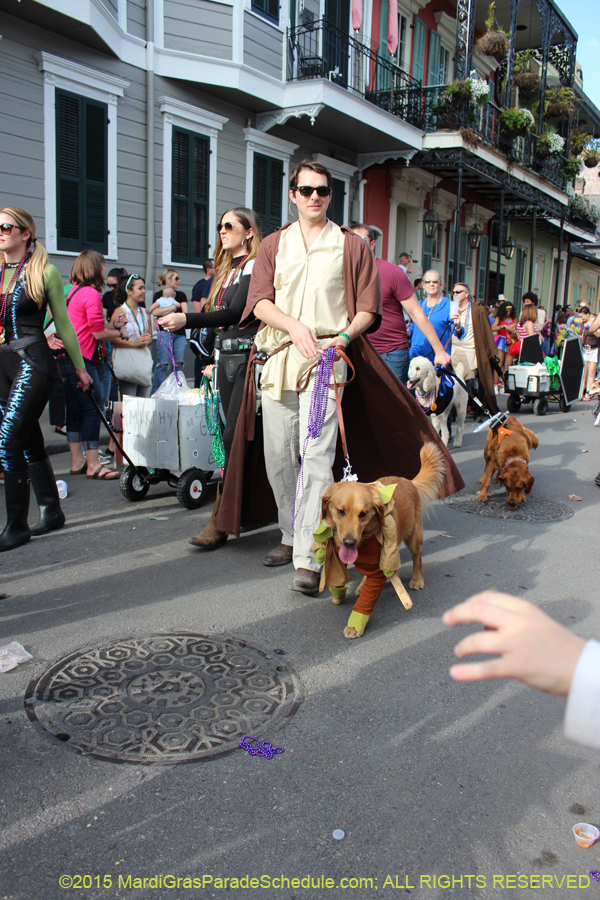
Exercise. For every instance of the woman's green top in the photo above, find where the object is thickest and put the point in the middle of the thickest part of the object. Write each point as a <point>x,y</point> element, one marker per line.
<point>29,318</point>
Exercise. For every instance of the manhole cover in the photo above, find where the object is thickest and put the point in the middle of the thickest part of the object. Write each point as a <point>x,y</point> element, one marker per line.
<point>167,698</point>
<point>535,509</point>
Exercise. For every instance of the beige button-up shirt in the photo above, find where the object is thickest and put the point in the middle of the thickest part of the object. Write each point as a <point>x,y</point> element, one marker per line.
<point>310,287</point>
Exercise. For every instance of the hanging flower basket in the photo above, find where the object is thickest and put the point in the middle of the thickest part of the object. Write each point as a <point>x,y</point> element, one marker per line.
<point>529,83</point>
<point>493,43</point>
<point>560,102</point>
<point>516,122</point>
<point>458,90</point>
<point>549,144</point>
<point>495,40</point>
<point>572,167</point>
<point>591,158</point>
<point>579,138</point>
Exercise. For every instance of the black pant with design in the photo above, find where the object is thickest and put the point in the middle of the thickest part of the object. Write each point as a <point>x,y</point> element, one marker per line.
<point>24,392</point>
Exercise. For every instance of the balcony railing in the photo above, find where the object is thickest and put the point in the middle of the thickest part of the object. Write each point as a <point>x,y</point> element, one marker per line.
<point>320,50</point>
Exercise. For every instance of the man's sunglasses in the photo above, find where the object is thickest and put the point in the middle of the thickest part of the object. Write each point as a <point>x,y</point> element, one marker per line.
<point>307,191</point>
<point>7,228</point>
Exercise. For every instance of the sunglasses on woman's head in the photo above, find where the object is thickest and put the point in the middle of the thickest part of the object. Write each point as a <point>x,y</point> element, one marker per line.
<point>132,277</point>
<point>6,227</point>
<point>307,191</point>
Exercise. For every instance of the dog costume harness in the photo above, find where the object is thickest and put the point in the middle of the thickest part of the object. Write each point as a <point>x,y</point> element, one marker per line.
<point>378,559</point>
<point>438,400</point>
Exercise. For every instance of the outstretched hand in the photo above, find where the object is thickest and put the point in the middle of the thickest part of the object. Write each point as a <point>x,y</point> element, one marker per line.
<point>530,645</point>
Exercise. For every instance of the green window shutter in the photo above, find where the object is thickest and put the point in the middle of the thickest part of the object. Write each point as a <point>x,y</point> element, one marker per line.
<point>433,63</point>
<point>190,186</point>
<point>81,173</point>
<point>95,203</point>
<point>267,8</point>
<point>427,252</point>
<point>450,259</point>
<point>482,267</point>
<point>576,295</point>
<point>519,275</point>
<point>336,207</point>
<point>267,191</point>
<point>418,49</point>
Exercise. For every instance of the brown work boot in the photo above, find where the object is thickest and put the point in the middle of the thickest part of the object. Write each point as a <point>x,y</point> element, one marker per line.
<point>280,556</point>
<point>306,582</point>
<point>211,537</point>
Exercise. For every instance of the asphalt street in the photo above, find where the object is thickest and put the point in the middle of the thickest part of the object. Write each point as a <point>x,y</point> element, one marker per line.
<point>440,788</point>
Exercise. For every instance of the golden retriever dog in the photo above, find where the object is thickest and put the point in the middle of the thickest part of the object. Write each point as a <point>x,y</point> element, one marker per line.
<point>507,453</point>
<point>355,512</point>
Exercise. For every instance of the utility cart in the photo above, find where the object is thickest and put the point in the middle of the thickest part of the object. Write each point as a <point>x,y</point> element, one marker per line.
<point>532,383</point>
<point>166,442</point>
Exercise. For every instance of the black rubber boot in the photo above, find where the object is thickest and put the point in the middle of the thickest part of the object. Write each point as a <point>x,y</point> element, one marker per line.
<point>42,481</point>
<point>16,491</point>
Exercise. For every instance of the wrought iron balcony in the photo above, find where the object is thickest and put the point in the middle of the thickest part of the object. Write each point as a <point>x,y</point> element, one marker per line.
<point>430,109</point>
<point>320,50</point>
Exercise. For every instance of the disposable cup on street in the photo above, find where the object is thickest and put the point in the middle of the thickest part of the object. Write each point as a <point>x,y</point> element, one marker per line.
<point>585,834</point>
<point>62,489</point>
<point>453,308</point>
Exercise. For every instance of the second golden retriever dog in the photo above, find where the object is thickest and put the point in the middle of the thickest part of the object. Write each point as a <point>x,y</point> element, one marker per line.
<point>364,524</point>
<point>507,453</point>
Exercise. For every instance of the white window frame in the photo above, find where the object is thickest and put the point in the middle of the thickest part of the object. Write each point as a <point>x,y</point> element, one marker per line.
<point>267,145</point>
<point>70,76</point>
<point>540,262</point>
<point>343,172</point>
<point>200,121</point>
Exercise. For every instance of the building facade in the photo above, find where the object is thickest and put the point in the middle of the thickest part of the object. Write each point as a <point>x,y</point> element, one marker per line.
<point>131,125</point>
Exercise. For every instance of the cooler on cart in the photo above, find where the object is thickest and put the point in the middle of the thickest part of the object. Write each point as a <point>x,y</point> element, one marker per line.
<point>166,442</point>
<point>533,383</point>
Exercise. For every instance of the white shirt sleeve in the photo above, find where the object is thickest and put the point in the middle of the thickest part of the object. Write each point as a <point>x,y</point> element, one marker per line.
<point>582,716</point>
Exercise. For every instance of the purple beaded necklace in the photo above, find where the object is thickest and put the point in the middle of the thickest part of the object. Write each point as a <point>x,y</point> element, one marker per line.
<point>316,418</point>
<point>169,348</point>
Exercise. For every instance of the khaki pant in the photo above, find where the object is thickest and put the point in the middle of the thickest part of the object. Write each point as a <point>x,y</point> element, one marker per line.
<point>285,426</point>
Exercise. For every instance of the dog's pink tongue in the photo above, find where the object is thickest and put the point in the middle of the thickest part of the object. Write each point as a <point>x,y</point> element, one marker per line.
<point>348,554</point>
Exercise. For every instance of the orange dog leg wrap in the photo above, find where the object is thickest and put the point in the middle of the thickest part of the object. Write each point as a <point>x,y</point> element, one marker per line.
<point>368,564</point>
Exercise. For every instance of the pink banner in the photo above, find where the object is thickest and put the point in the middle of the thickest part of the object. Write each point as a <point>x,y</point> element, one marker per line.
<point>357,14</point>
<point>393,28</point>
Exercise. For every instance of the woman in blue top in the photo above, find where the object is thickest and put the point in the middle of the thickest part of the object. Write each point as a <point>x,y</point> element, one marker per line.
<point>437,309</point>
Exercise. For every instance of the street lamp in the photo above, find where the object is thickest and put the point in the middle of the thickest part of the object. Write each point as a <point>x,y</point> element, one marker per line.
<point>431,220</point>
<point>508,248</point>
<point>474,236</point>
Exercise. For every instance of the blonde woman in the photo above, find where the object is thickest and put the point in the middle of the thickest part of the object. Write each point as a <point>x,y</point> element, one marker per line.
<point>436,306</point>
<point>167,300</point>
<point>239,234</point>
<point>28,285</point>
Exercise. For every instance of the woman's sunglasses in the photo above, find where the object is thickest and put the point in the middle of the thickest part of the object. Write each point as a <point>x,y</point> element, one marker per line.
<point>6,228</point>
<point>132,277</point>
<point>228,226</point>
<point>307,191</point>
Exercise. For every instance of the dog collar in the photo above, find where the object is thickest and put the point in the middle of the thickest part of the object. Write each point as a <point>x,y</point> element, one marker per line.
<point>515,459</point>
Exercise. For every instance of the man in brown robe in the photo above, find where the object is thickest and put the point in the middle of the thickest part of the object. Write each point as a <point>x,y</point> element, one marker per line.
<point>385,428</point>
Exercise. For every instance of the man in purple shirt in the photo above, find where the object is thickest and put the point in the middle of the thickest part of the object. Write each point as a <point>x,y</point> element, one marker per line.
<point>397,292</point>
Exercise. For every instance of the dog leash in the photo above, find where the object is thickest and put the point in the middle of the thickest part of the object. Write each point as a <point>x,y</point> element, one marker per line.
<point>301,385</point>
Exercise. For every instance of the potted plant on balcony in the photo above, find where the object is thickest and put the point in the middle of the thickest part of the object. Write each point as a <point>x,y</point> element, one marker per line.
<point>471,88</point>
<point>495,40</point>
<point>516,122</point>
<point>591,157</point>
<point>549,144</point>
<point>525,74</point>
<point>572,167</point>
<point>560,102</point>
<point>579,138</point>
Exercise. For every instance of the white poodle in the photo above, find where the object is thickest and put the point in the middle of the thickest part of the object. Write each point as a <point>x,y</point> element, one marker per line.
<point>438,404</point>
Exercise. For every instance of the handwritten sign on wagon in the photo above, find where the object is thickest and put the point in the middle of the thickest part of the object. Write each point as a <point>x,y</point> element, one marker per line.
<point>150,433</point>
